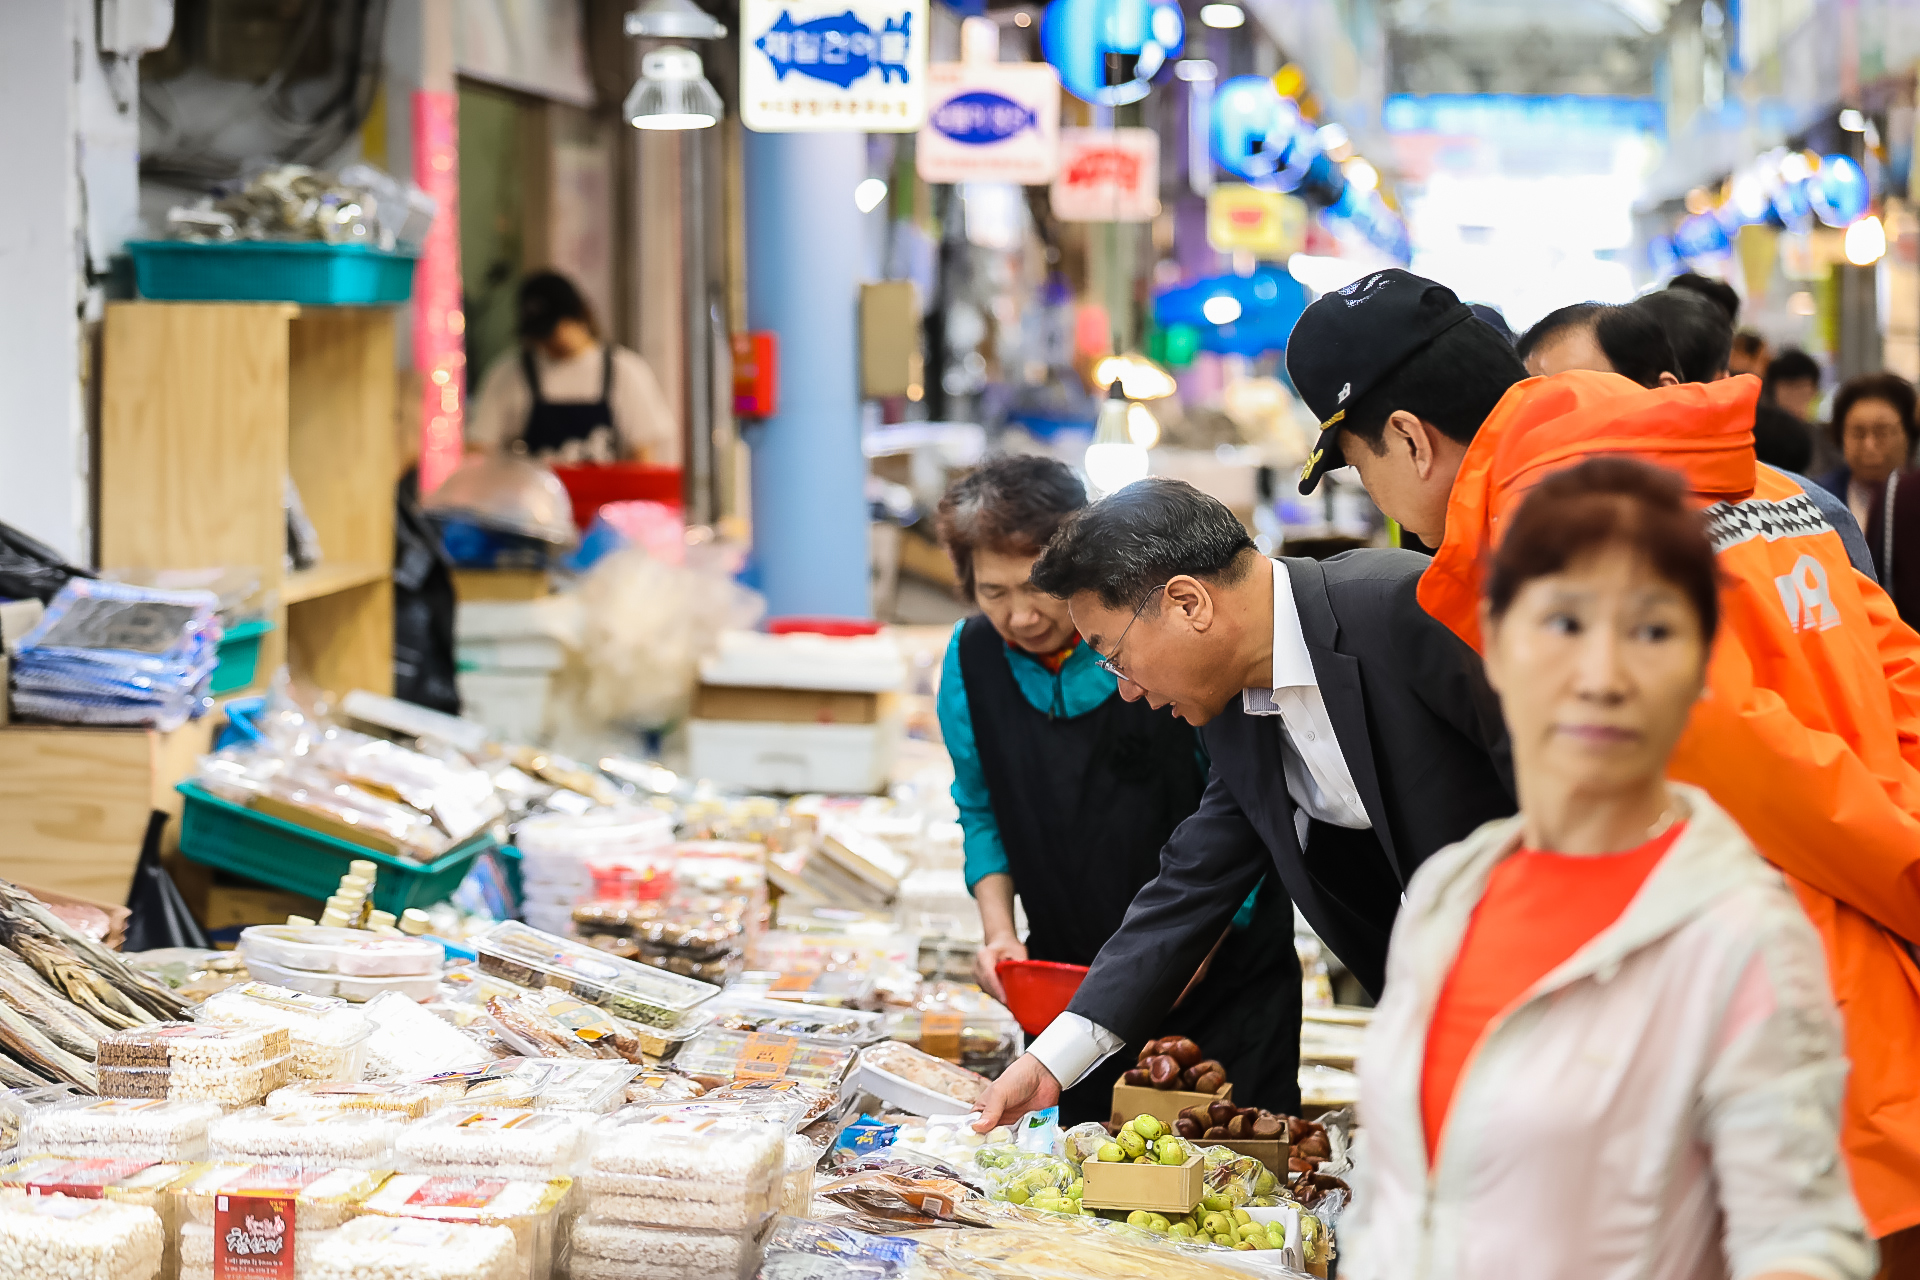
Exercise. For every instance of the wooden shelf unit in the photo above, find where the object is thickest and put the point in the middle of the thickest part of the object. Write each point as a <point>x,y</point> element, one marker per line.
<point>205,409</point>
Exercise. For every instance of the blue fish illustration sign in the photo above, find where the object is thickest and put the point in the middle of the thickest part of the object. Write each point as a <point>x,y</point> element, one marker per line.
<point>990,122</point>
<point>833,65</point>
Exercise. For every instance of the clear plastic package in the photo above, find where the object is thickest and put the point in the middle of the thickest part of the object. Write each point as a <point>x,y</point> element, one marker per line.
<point>235,1086</point>
<point>382,1248</point>
<point>809,1102</point>
<point>605,1249</point>
<point>355,952</point>
<point>323,1197</point>
<point>906,1077</point>
<point>505,1082</point>
<point>191,1045</point>
<point>715,1057</point>
<point>358,990</point>
<point>409,1040</point>
<point>531,1210</point>
<point>398,1100</point>
<point>17,1104</point>
<point>692,1165</point>
<point>329,1036</point>
<point>196,1251</point>
<point>57,1237</point>
<point>737,1011</point>
<point>119,1128</point>
<point>663,1086</point>
<point>633,991</point>
<point>500,1142</point>
<point>342,1139</point>
<point>598,1087</point>
<point>662,1043</point>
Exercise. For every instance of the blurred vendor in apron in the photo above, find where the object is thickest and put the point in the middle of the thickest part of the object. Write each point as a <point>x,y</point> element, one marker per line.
<point>1067,792</point>
<point>567,397</point>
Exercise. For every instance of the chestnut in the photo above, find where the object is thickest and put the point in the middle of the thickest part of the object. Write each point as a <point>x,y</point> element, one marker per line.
<point>1214,1134</point>
<point>1237,1127</point>
<point>1163,1072</point>
<point>1182,1050</point>
<point>1187,1127</point>
<point>1138,1077</point>
<point>1269,1127</point>
<point>1212,1082</point>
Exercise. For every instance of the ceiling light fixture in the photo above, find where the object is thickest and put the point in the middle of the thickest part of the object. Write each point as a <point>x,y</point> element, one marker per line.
<point>1222,17</point>
<point>1853,120</point>
<point>674,20</point>
<point>868,195</point>
<point>672,92</point>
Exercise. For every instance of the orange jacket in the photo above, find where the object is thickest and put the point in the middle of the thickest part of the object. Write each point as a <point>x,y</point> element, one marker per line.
<point>1810,731</point>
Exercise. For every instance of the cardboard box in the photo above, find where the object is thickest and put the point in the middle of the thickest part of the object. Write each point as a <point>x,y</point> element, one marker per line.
<point>1164,1105</point>
<point>786,706</point>
<point>1271,1152</point>
<point>1158,1188</point>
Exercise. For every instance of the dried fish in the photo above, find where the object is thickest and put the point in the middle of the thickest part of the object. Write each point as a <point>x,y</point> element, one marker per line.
<point>46,1011</point>
<point>15,1076</point>
<point>84,1023</point>
<point>19,1038</point>
<point>145,996</point>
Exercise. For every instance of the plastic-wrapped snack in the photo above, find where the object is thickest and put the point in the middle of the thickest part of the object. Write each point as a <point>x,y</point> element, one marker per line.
<point>17,1104</point>
<point>399,1099</point>
<point>550,1023</point>
<point>382,1248</point>
<point>500,1142</point>
<point>329,1036</point>
<point>56,1237</point>
<point>662,1086</point>
<point>796,1191</point>
<point>597,1087</point>
<point>531,1210</point>
<point>608,1250</point>
<point>140,1183</point>
<point>323,1198</point>
<point>694,1165</point>
<point>342,1139</point>
<point>354,952</point>
<point>197,1250</point>
<point>409,1041</point>
<point>506,1082</point>
<point>803,1250</point>
<point>813,1102</point>
<point>531,958</point>
<point>110,1128</point>
<point>715,1057</point>
<point>193,1045</point>
<point>738,1012</point>
<point>906,1077</point>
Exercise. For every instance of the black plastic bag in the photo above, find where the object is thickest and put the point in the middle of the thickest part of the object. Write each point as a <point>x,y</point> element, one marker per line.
<point>159,914</point>
<point>423,607</point>
<point>29,567</point>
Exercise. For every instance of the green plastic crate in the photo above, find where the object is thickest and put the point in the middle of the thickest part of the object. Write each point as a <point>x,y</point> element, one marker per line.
<point>304,271</point>
<point>216,832</point>
<point>239,655</point>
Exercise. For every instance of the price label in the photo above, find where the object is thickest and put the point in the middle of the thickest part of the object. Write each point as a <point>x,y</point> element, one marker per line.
<point>765,1057</point>
<point>252,1238</point>
<point>941,1032</point>
<point>799,978</point>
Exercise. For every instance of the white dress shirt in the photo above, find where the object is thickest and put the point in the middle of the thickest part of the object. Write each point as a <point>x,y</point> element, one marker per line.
<point>1318,782</point>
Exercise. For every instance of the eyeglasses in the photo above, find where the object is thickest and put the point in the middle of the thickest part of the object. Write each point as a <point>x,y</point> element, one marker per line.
<point>1107,664</point>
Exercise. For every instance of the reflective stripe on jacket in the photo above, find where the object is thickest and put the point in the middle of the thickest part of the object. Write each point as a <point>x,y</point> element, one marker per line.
<point>1809,734</point>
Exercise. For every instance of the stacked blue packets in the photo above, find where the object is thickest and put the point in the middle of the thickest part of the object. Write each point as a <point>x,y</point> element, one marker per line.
<point>110,653</point>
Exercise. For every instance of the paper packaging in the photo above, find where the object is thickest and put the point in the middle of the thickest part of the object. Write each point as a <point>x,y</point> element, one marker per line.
<point>1271,1152</point>
<point>1164,1105</point>
<point>1159,1188</point>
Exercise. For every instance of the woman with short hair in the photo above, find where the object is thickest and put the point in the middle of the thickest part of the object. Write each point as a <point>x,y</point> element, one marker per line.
<point>1606,1047</point>
<point>1067,791</point>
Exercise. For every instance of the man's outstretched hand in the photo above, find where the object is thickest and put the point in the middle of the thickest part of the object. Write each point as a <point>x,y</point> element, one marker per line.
<point>1025,1086</point>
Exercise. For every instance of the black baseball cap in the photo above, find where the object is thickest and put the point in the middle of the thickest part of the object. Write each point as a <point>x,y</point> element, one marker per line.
<point>1349,340</point>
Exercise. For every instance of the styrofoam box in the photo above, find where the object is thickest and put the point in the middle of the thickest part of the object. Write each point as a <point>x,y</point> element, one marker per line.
<point>765,756</point>
<point>521,653</point>
<point>513,705</point>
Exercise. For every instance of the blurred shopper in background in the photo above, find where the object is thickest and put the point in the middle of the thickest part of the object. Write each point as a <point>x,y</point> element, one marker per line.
<point>1597,335</point>
<point>1721,294</point>
<point>1750,354</point>
<point>1703,337</point>
<point>565,396</point>
<point>1793,383</point>
<point>1607,1045</point>
<point>1067,792</point>
<point>1806,735</point>
<point>1875,431</point>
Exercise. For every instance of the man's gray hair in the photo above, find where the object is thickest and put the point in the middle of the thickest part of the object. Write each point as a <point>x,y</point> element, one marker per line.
<point>1125,545</point>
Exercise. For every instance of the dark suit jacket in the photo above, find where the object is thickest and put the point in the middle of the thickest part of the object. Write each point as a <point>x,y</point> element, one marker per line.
<point>1424,740</point>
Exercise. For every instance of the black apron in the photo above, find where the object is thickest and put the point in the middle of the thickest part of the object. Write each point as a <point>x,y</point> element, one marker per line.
<point>1084,805</point>
<point>552,427</point>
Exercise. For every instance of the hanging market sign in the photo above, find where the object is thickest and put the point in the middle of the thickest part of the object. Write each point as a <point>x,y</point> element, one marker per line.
<point>1107,175</point>
<point>1267,224</point>
<point>990,122</point>
<point>833,66</point>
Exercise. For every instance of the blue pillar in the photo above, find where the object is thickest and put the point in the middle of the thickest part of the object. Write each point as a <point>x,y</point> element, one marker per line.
<point>804,245</point>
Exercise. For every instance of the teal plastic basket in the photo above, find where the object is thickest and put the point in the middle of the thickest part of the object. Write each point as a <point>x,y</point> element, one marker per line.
<point>239,655</point>
<point>303,271</point>
<point>216,832</point>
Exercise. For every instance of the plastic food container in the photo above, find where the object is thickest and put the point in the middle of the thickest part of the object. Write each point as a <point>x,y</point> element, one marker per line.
<point>323,1198</point>
<point>381,1248</point>
<point>409,1040</point>
<point>917,1082</point>
<point>329,1036</point>
<point>714,1058</point>
<point>739,1012</point>
<point>597,1087</point>
<point>355,952</point>
<point>689,1165</point>
<point>139,1183</point>
<point>186,1045</point>
<point>58,1237</point>
<point>337,1139</point>
<point>117,1128</point>
<point>636,992</point>
<point>531,1210</point>
<point>809,1102</point>
<point>399,1101</point>
<point>229,1086</point>
<point>608,1249</point>
<point>499,1142</point>
<point>417,986</point>
<point>17,1104</point>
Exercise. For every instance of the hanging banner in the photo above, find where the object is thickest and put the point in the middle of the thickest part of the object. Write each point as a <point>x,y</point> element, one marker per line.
<point>1267,224</point>
<point>1107,175</point>
<point>833,66</point>
<point>990,122</point>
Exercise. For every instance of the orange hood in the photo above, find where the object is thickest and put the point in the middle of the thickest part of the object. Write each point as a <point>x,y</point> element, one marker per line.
<point>1702,430</point>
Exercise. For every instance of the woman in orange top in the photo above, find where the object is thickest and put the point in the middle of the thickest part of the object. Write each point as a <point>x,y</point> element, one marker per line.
<point>1606,1046</point>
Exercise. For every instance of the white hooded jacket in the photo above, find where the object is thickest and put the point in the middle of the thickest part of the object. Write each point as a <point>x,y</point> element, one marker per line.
<point>1664,1105</point>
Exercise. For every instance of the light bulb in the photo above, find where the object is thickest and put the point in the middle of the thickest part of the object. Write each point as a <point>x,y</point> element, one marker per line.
<point>1142,426</point>
<point>868,195</point>
<point>1221,309</point>
<point>1361,174</point>
<point>1866,242</point>
<point>1112,467</point>
<point>1225,17</point>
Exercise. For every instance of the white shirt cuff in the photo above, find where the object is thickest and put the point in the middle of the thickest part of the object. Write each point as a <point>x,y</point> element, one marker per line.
<point>1071,1047</point>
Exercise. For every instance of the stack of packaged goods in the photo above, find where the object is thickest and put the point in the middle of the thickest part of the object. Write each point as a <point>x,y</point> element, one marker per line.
<point>680,1192</point>
<point>717,1057</point>
<point>534,1211</point>
<point>396,1100</point>
<point>119,1129</point>
<point>663,1008</point>
<point>341,1139</point>
<point>139,1184</point>
<point>59,1237</point>
<point>961,1023</point>
<point>382,1248</point>
<point>235,1217</point>
<point>329,1036</point>
<point>695,936</point>
<point>353,964</point>
<point>108,653</point>
<point>562,855</point>
<point>192,1062</point>
<point>516,1143</point>
<point>409,1040</point>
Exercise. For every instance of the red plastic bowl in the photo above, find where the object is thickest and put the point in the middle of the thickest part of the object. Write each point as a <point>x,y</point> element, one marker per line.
<point>1038,991</point>
<point>838,627</point>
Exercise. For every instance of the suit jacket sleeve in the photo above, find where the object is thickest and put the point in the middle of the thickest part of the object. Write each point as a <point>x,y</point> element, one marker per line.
<point>1209,865</point>
<point>1447,675</point>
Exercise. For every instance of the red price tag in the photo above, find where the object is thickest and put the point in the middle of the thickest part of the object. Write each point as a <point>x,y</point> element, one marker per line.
<point>765,1057</point>
<point>252,1237</point>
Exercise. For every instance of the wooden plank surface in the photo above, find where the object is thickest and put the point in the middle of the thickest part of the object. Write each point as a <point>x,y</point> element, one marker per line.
<point>340,430</point>
<point>344,641</point>
<point>329,577</point>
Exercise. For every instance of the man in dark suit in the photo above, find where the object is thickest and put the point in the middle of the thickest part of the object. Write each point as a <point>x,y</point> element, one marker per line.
<point>1350,734</point>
